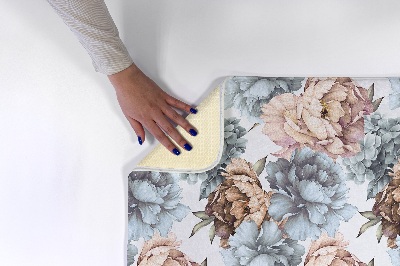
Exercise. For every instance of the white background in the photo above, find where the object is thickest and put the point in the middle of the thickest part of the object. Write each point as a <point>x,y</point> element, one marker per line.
<point>65,147</point>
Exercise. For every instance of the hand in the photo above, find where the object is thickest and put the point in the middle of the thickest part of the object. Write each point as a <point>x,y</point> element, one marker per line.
<point>144,103</point>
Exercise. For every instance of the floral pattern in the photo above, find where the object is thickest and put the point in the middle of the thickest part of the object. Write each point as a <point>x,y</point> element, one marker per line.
<point>379,152</point>
<point>153,204</point>
<point>394,97</point>
<point>265,246</point>
<point>159,251</point>
<point>234,146</point>
<point>240,197</point>
<point>327,251</point>
<point>395,253</point>
<point>387,205</point>
<point>324,160</point>
<point>327,117</point>
<point>310,191</point>
<point>248,94</point>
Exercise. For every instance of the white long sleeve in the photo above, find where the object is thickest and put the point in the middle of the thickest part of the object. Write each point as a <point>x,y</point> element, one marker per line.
<point>92,23</point>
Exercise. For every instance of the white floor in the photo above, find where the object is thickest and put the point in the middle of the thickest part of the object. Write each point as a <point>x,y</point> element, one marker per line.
<point>66,149</point>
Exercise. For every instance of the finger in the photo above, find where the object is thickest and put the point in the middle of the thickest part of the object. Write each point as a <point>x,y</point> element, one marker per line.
<point>161,137</point>
<point>171,131</point>
<point>180,105</point>
<point>138,128</point>
<point>179,120</point>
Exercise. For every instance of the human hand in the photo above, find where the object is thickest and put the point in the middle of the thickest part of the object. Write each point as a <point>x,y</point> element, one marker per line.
<point>144,103</point>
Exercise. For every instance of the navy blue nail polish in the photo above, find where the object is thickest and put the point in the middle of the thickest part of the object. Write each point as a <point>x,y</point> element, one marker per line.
<point>193,111</point>
<point>192,132</point>
<point>176,152</point>
<point>140,140</point>
<point>187,147</point>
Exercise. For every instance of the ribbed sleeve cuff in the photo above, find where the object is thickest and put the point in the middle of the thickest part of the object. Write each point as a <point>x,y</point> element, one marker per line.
<point>95,29</point>
<point>110,58</point>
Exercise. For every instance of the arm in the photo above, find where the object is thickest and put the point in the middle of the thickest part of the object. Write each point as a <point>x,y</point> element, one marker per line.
<point>142,101</point>
<point>95,29</point>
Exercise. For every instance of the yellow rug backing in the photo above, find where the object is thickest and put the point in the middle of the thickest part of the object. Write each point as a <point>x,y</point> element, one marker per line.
<point>207,149</point>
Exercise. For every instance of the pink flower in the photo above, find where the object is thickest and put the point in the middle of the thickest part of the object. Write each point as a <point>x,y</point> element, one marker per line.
<point>327,117</point>
<point>327,251</point>
<point>161,251</point>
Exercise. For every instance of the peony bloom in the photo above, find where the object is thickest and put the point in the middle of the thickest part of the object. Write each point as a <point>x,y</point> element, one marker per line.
<point>240,197</point>
<point>265,246</point>
<point>160,251</point>
<point>379,152</point>
<point>327,251</point>
<point>387,205</point>
<point>327,117</point>
<point>248,94</point>
<point>366,164</point>
<point>153,203</point>
<point>310,192</point>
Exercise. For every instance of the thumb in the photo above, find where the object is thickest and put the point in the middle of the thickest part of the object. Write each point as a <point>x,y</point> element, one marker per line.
<point>138,128</point>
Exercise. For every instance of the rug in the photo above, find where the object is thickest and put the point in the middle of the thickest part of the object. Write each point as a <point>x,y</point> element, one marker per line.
<point>284,171</point>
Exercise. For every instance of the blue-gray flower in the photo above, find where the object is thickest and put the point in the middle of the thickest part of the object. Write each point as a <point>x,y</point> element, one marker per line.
<point>395,253</point>
<point>249,246</point>
<point>132,251</point>
<point>360,167</point>
<point>380,150</point>
<point>234,143</point>
<point>310,192</point>
<point>248,94</point>
<point>394,97</point>
<point>153,203</point>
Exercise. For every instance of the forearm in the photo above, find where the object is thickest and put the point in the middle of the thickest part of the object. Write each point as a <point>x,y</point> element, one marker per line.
<point>95,29</point>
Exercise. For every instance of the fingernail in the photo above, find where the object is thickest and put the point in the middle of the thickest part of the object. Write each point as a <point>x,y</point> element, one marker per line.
<point>187,147</point>
<point>140,140</point>
<point>193,111</point>
<point>176,152</point>
<point>192,132</point>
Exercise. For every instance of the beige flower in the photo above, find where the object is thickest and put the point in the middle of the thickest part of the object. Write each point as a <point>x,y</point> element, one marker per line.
<point>240,197</point>
<point>160,251</point>
<point>387,205</point>
<point>329,251</point>
<point>327,117</point>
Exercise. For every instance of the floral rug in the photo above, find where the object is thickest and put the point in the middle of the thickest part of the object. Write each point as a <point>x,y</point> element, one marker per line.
<point>309,175</point>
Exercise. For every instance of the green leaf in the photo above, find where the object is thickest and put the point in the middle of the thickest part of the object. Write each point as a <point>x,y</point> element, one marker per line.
<point>371,263</point>
<point>369,215</point>
<point>200,225</point>
<point>379,233</point>
<point>260,165</point>
<point>371,91</point>
<point>204,263</point>
<point>367,225</point>
<point>201,214</point>
<point>376,103</point>
<point>209,185</point>
<point>211,233</point>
